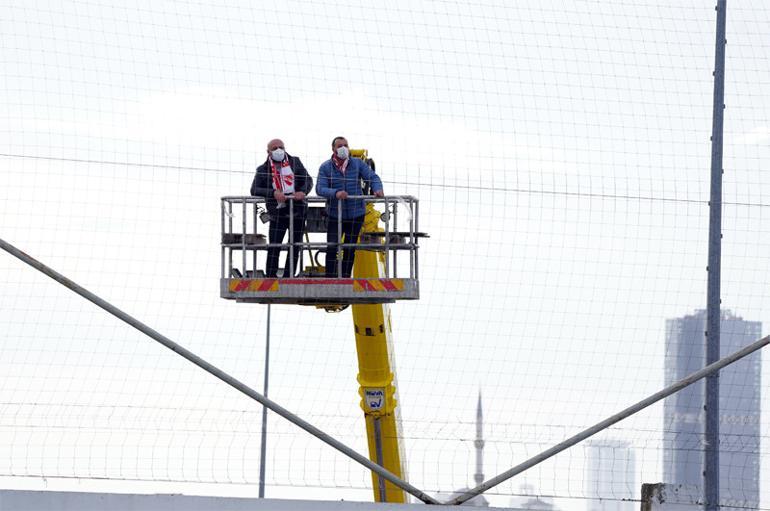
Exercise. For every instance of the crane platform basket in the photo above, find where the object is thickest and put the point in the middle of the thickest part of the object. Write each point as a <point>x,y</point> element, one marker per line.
<point>245,243</point>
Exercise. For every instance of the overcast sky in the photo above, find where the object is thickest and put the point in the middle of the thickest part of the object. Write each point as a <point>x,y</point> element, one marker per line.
<point>561,154</point>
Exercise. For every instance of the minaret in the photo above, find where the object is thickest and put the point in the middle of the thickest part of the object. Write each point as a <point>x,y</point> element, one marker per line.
<point>479,443</point>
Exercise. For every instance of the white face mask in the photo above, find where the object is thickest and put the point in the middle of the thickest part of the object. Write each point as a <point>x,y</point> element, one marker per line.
<point>278,154</point>
<point>343,152</point>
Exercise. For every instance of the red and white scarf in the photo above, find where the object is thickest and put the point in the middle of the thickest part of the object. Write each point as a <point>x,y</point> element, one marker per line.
<point>283,178</point>
<point>341,164</point>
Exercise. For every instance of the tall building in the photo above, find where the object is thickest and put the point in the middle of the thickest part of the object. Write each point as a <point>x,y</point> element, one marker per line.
<point>739,409</point>
<point>611,479</point>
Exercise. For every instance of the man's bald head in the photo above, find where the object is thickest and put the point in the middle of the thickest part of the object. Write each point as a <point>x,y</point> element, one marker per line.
<point>275,144</point>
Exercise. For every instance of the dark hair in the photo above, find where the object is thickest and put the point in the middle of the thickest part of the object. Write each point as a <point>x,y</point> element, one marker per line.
<point>335,140</point>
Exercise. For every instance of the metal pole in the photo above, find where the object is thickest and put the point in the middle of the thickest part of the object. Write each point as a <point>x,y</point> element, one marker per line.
<point>713,297</point>
<point>338,261</point>
<point>243,237</point>
<point>263,448</point>
<point>379,455</point>
<point>644,403</point>
<point>215,371</point>
<point>395,228</point>
<point>254,252</point>
<point>290,255</point>
<point>387,240</point>
<point>413,224</point>
<point>230,231</point>
<point>222,237</point>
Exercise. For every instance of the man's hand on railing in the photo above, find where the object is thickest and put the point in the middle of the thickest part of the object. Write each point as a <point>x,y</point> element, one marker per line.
<point>299,195</point>
<point>379,193</point>
<point>342,194</point>
<point>279,196</point>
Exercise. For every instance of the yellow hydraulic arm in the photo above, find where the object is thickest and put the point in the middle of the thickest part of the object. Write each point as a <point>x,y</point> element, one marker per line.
<point>376,368</point>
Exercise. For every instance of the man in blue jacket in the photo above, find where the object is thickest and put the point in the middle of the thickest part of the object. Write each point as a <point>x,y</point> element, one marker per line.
<point>282,178</point>
<point>338,178</point>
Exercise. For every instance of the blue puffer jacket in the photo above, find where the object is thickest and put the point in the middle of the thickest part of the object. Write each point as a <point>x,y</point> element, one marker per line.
<point>331,180</point>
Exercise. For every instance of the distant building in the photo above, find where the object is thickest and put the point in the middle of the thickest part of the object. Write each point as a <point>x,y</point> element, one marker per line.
<point>533,503</point>
<point>478,476</point>
<point>611,477</point>
<point>477,501</point>
<point>739,409</point>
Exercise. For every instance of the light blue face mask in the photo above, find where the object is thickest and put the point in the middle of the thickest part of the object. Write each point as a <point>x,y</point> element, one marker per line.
<point>343,153</point>
<point>278,154</point>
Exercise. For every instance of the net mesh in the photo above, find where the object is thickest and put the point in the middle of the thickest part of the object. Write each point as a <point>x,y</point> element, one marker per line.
<point>561,155</point>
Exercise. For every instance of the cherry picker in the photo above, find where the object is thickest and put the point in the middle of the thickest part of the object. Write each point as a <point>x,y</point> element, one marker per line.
<point>386,269</point>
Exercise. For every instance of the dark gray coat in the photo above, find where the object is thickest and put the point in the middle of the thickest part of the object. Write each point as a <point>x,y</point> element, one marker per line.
<point>262,186</point>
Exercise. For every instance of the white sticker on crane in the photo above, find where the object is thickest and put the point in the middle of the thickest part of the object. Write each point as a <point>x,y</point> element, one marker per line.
<point>374,398</point>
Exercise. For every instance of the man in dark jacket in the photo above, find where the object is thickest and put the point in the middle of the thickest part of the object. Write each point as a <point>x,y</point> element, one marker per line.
<point>281,179</point>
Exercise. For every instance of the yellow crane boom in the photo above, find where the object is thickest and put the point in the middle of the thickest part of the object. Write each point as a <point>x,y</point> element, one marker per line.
<point>376,370</point>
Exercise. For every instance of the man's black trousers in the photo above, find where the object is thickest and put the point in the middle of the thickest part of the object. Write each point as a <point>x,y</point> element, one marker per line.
<point>278,227</point>
<point>350,229</point>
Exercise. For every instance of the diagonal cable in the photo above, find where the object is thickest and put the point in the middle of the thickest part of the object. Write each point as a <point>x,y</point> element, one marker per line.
<point>215,371</point>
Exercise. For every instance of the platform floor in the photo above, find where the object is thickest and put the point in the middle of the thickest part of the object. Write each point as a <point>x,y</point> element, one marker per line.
<point>314,291</point>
